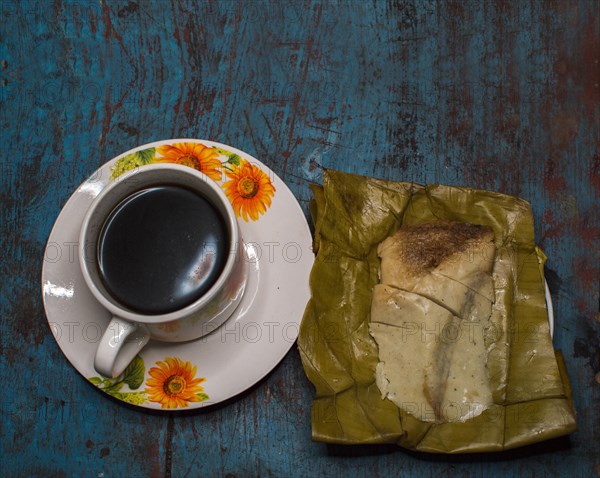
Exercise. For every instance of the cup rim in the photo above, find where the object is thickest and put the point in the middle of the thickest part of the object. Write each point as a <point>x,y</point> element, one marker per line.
<point>234,242</point>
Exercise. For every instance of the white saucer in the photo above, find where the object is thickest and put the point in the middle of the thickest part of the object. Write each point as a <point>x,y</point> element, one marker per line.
<point>232,358</point>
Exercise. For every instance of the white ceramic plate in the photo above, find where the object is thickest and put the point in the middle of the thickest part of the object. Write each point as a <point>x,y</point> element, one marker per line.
<point>232,358</point>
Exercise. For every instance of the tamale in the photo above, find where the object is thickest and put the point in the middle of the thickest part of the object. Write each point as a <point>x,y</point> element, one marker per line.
<point>354,214</point>
<point>430,339</point>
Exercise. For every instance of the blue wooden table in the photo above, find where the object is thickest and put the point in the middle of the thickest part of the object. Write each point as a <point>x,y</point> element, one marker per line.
<point>502,95</point>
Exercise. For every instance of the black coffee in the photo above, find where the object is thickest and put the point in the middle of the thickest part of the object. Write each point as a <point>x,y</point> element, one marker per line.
<point>161,249</point>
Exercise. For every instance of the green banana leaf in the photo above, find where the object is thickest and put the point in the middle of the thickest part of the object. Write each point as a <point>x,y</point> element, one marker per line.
<point>352,215</point>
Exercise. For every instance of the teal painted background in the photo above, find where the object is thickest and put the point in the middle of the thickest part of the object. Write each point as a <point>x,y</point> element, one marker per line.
<point>491,94</point>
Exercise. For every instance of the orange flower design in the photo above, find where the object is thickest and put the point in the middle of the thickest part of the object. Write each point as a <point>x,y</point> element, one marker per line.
<point>194,155</point>
<point>249,189</point>
<point>172,384</point>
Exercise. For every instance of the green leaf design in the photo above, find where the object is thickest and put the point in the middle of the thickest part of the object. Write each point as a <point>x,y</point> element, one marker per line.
<point>146,155</point>
<point>135,398</point>
<point>133,377</point>
<point>202,397</point>
<point>103,382</point>
<point>115,387</point>
<point>132,161</point>
<point>134,373</point>
<point>234,159</point>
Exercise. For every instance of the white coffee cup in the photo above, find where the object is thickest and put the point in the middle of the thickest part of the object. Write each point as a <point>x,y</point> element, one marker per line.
<point>129,331</point>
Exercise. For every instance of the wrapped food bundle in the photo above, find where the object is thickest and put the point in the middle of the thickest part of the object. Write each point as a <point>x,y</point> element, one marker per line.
<point>427,326</point>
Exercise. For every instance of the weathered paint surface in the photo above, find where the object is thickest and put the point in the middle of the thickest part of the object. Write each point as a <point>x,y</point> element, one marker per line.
<point>497,94</point>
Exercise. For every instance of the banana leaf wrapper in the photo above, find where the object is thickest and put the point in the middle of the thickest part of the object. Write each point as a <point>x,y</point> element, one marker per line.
<point>352,215</point>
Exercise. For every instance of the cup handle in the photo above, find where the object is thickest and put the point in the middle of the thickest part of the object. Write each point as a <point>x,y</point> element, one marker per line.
<point>119,345</point>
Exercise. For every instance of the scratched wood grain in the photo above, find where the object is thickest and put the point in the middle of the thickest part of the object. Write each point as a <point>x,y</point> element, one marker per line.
<point>492,94</point>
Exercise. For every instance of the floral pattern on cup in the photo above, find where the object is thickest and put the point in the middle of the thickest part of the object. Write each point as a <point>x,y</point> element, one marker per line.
<point>172,383</point>
<point>249,189</point>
